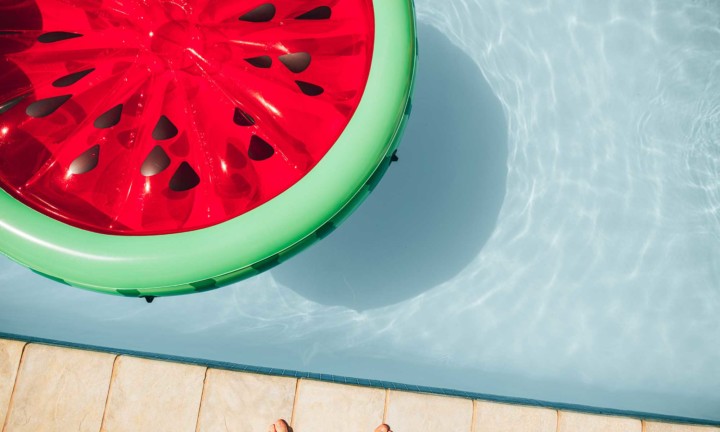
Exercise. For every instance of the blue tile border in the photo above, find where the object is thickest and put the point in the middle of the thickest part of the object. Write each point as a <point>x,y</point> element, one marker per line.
<point>369,383</point>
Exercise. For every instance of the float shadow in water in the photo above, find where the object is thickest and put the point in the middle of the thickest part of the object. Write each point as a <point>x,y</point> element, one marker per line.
<point>435,208</point>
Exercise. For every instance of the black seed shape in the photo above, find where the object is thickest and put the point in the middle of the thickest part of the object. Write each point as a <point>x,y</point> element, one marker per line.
<point>45,107</point>
<point>155,163</point>
<point>185,178</point>
<point>259,149</point>
<point>57,36</point>
<point>164,129</point>
<point>9,104</point>
<point>262,13</point>
<point>87,161</point>
<point>263,62</point>
<point>310,89</point>
<point>71,79</point>
<point>241,118</point>
<point>110,118</point>
<point>319,13</point>
<point>296,62</point>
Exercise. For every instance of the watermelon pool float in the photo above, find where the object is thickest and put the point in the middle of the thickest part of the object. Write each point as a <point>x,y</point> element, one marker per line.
<point>153,147</point>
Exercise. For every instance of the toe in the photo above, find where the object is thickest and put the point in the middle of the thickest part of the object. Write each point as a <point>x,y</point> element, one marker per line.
<point>281,426</point>
<point>383,428</point>
<point>271,428</point>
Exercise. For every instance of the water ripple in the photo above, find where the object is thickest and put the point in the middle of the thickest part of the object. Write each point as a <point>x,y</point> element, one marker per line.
<point>600,282</point>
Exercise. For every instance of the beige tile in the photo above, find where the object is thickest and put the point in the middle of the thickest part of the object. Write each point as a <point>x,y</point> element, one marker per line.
<point>414,412</point>
<point>10,353</point>
<point>576,422</point>
<point>59,389</point>
<point>244,402</point>
<point>322,406</point>
<point>495,417</point>
<point>666,427</point>
<point>153,396</point>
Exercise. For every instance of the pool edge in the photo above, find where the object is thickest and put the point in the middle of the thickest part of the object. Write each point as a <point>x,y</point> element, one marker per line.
<point>387,385</point>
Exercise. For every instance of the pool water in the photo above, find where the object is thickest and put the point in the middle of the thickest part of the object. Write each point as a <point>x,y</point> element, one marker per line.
<point>551,231</point>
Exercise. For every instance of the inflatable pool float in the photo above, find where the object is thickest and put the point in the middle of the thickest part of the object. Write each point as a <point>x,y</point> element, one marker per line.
<point>152,147</point>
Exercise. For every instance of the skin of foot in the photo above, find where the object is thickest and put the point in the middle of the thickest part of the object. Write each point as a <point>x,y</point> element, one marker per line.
<point>282,426</point>
<point>279,426</point>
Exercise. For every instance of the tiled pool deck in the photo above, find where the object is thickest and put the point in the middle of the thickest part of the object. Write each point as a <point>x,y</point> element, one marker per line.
<point>46,387</point>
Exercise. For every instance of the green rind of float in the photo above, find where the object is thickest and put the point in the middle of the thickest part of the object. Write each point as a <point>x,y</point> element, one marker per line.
<point>206,259</point>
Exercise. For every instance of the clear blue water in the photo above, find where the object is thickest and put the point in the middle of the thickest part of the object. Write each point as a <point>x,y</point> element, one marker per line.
<point>551,230</point>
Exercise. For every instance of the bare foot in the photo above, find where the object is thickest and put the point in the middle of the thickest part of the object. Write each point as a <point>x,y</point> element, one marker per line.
<point>282,426</point>
<point>279,426</point>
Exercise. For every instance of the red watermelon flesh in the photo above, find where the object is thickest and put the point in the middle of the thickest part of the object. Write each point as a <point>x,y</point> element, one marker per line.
<point>140,117</point>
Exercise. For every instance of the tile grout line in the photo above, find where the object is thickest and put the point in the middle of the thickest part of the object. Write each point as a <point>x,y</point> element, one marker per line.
<point>557,421</point>
<point>295,400</point>
<point>474,415</point>
<point>386,406</point>
<point>15,383</point>
<point>107,398</point>
<point>202,398</point>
